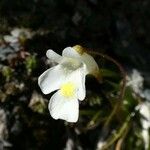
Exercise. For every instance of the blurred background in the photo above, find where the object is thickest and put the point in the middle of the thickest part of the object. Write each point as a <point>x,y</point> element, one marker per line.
<point>117,28</point>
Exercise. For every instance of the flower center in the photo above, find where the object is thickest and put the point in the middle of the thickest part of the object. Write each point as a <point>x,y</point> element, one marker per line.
<point>68,89</point>
<point>71,64</point>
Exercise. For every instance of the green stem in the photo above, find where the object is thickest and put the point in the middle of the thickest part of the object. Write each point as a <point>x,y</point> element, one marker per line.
<point>122,90</point>
<point>118,134</point>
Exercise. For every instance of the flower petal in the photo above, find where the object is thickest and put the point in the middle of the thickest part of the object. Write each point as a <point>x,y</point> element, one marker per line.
<point>53,56</point>
<point>64,108</point>
<point>79,78</point>
<point>81,81</point>
<point>70,52</point>
<point>91,64</point>
<point>51,79</point>
<point>92,67</point>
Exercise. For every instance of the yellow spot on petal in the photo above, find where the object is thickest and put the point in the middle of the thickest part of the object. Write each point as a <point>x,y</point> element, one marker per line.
<point>79,49</point>
<point>68,89</point>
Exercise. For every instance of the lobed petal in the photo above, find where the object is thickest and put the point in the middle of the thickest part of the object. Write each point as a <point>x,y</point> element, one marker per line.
<point>53,56</point>
<point>51,79</point>
<point>78,77</point>
<point>91,64</point>
<point>70,52</point>
<point>64,108</point>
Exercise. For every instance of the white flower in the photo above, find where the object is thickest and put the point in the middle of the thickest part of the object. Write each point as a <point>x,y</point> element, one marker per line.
<point>79,53</point>
<point>68,77</point>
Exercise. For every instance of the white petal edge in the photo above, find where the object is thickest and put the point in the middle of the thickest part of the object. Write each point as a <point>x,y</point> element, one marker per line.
<point>63,108</point>
<point>51,79</point>
<point>70,52</point>
<point>53,56</point>
<point>78,78</point>
<point>82,91</point>
<point>92,66</point>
